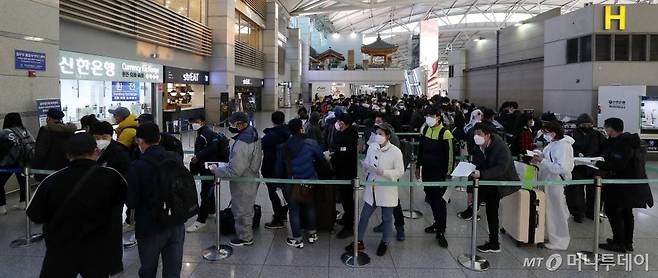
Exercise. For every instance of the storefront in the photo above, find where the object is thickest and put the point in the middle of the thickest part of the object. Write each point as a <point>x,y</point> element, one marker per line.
<point>93,84</point>
<point>247,93</point>
<point>183,93</point>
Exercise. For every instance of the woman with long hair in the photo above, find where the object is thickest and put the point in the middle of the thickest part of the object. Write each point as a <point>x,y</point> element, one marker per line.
<point>16,155</point>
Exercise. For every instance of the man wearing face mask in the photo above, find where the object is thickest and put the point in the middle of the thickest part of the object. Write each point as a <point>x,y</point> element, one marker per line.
<point>344,160</point>
<point>113,155</point>
<point>493,160</point>
<point>205,150</point>
<point>435,162</point>
<point>244,161</point>
<point>589,142</point>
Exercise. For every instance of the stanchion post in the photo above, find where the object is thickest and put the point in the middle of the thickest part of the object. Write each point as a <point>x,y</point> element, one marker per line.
<point>472,261</point>
<point>593,256</point>
<point>356,258</point>
<point>218,251</point>
<point>29,237</point>
<point>412,213</point>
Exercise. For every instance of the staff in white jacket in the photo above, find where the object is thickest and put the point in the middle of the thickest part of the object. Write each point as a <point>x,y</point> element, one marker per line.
<point>383,162</point>
<point>556,164</point>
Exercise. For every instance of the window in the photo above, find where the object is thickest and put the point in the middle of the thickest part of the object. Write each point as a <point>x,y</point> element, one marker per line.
<point>603,48</point>
<point>639,48</point>
<point>572,51</point>
<point>195,10</point>
<point>621,47</point>
<point>247,31</point>
<point>451,71</point>
<point>653,48</point>
<point>586,49</point>
<point>179,6</point>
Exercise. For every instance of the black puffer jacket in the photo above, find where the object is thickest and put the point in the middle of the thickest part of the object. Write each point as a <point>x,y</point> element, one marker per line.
<point>624,159</point>
<point>496,164</point>
<point>344,148</point>
<point>273,137</point>
<point>588,143</point>
<point>49,153</point>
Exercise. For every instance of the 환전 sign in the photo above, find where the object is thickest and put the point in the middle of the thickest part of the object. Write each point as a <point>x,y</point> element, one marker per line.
<point>125,91</point>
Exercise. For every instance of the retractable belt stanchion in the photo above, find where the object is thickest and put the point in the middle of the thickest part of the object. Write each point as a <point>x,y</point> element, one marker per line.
<point>593,256</point>
<point>218,251</point>
<point>29,237</point>
<point>356,258</point>
<point>472,261</point>
<point>412,213</point>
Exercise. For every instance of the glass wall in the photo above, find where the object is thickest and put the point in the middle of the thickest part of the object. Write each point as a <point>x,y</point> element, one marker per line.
<point>247,31</point>
<point>194,9</point>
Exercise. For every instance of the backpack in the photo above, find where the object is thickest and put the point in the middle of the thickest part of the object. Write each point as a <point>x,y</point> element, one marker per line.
<point>6,147</point>
<point>227,220</point>
<point>172,144</point>
<point>25,143</point>
<point>223,147</point>
<point>175,199</point>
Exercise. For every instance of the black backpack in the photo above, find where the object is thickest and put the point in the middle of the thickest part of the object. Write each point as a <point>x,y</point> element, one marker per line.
<point>175,198</point>
<point>172,144</point>
<point>223,147</point>
<point>227,220</point>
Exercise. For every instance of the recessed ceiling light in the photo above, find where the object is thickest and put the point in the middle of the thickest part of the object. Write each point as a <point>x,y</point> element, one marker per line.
<point>30,38</point>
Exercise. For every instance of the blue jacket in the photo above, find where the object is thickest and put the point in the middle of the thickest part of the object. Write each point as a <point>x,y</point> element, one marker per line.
<point>274,137</point>
<point>297,157</point>
<point>141,187</point>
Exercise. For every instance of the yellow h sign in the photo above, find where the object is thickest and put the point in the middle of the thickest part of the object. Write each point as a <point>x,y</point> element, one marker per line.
<point>609,17</point>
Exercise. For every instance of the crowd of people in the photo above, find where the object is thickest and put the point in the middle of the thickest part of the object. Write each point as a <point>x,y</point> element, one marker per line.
<point>82,204</point>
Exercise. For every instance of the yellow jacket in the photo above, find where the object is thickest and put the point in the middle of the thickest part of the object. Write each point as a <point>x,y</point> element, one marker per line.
<point>127,130</point>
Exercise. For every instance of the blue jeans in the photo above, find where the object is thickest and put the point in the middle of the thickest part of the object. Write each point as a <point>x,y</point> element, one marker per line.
<point>294,218</point>
<point>169,244</point>
<point>387,220</point>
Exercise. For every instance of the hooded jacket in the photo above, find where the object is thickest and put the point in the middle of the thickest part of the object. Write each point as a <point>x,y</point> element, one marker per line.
<point>558,160</point>
<point>49,152</point>
<point>127,130</point>
<point>297,158</point>
<point>269,143</point>
<point>624,159</point>
<point>245,158</point>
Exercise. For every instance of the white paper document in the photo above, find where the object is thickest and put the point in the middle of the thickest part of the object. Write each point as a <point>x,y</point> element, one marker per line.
<point>532,153</point>
<point>587,161</point>
<point>463,169</point>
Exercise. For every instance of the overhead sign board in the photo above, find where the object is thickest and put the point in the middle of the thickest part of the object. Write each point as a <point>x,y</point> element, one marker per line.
<point>81,66</point>
<point>186,76</point>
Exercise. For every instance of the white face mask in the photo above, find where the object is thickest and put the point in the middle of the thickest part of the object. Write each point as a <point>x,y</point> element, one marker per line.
<point>337,126</point>
<point>548,137</point>
<point>380,139</point>
<point>102,144</point>
<point>196,126</point>
<point>431,121</point>
<point>479,140</point>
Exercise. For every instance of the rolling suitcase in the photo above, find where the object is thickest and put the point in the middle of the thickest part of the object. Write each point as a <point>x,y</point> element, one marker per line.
<point>524,216</point>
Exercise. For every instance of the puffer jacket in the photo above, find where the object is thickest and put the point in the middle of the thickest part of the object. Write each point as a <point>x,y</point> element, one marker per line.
<point>495,163</point>
<point>127,130</point>
<point>558,160</point>
<point>297,158</point>
<point>625,159</point>
<point>273,137</point>
<point>389,159</point>
<point>245,158</point>
<point>23,146</point>
<point>49,152</point>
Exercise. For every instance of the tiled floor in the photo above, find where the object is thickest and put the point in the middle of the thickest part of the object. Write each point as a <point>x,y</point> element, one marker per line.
<point>418,256</point>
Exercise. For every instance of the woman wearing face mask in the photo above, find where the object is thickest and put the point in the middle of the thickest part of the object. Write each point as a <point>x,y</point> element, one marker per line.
<point>556,164</point>
<point>383,162</point>
<point>524,138</point>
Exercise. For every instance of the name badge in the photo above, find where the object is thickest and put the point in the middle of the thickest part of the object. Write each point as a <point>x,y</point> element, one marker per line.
<point>343,149</point>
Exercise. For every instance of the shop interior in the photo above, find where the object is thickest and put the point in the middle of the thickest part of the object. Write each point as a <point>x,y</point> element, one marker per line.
<point>85,97</point>
<point>183,96</point>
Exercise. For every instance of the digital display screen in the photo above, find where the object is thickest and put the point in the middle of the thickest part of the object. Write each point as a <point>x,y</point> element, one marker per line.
<point>649,113</point>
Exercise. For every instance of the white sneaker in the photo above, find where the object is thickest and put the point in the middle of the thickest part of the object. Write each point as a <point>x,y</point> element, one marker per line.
<point>195,227</point>
<point>20,206</point>
<point>3,210</point>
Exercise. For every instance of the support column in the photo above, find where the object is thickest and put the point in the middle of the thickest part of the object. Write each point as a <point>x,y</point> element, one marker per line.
<point>306,88</point>
<point>269,97</point>
<point>294,60</point>
<point>221,19</point>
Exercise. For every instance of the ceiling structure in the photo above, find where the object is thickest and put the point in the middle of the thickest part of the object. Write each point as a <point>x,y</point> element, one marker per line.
<point>461,20</point>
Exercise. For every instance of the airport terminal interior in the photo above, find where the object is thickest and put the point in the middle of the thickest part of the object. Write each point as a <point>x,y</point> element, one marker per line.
<point>549,107</point>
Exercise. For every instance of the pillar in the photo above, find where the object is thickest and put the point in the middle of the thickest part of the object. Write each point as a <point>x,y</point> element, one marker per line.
<point>221,20</point>
<point>294,60</point>
<point>270,48</point>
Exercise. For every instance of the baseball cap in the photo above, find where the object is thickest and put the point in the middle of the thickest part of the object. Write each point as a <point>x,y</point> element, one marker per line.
<point>55,113</point>
<point>238,117</point>
<point>120,111</point>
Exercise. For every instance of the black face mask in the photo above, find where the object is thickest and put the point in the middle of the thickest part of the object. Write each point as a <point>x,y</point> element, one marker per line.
<point>233,129</point>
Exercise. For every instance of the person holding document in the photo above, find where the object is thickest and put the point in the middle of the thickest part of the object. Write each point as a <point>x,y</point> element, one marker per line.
<point>493,160</point>
<point>383,162</point>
